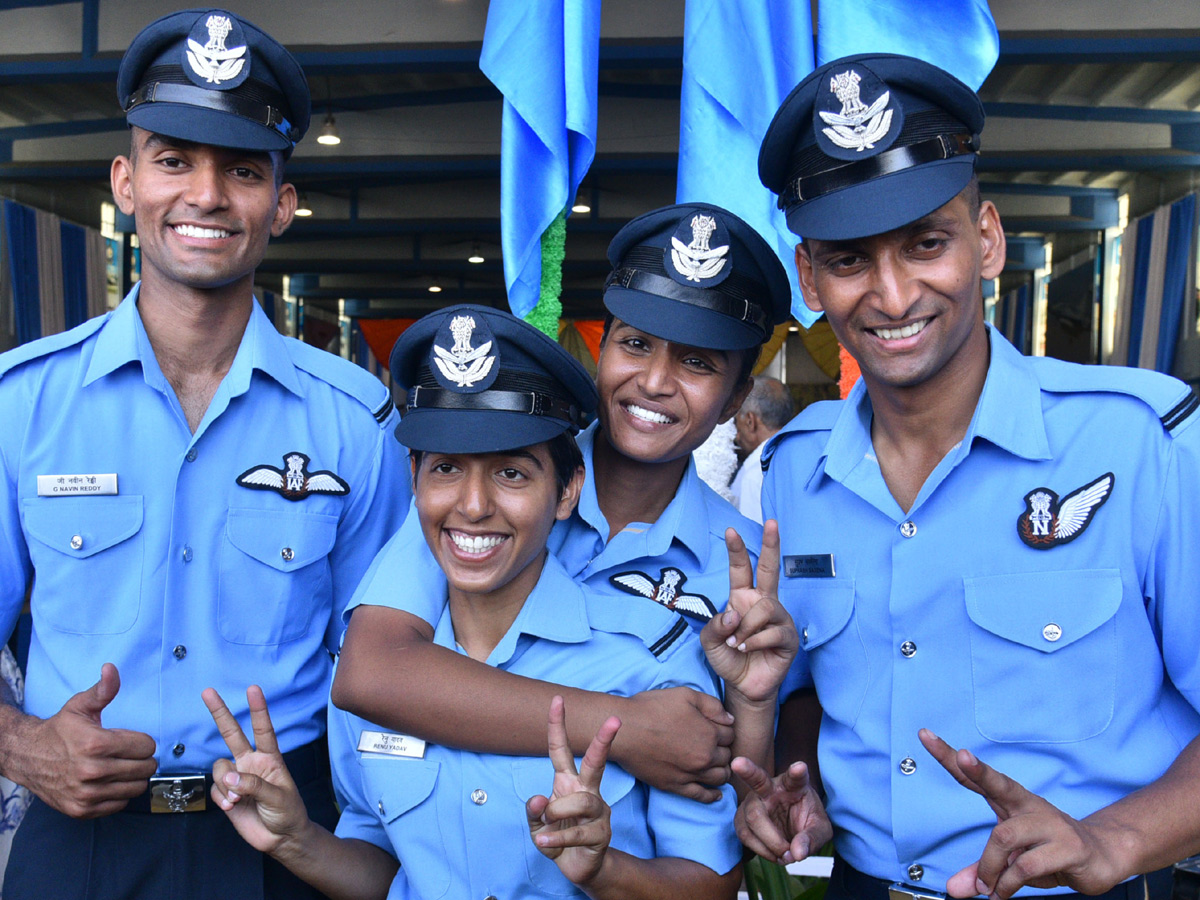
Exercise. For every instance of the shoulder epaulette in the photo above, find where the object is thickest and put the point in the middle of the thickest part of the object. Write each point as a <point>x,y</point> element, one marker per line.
<point>344,375</point>
<point>51,344</point>
<point>652,623</point>
<point>1173,401</point>
<point>819,416</point>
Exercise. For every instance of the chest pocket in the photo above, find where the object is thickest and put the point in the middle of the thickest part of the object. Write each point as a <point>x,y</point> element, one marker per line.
<point>401,793</point>
<point>274,574</point>
<point>1044,657</point>
<point>536,776</point>
<point>87,554</point>
<point>823,611</point>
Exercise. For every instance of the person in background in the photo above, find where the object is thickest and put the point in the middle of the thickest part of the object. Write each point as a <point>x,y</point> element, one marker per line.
<point>766,409</point>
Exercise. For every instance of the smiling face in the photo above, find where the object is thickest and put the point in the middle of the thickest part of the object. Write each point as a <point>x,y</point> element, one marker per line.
<point>204,214</point>
<point>659,400</point>
<point>907,304</point>
<point>486,516</point>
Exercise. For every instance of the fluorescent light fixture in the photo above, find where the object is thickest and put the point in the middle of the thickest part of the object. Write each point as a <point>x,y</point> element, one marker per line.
<point>329,134</point>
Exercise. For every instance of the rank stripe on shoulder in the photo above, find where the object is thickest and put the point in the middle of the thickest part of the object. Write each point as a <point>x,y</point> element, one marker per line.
<point>384,411</point>
<point>1181,411</point>
<point>663,644</point>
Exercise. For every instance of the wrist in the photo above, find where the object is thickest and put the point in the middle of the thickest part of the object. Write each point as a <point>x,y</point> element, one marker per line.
<point>736,701</point>
<point>1117,847</point>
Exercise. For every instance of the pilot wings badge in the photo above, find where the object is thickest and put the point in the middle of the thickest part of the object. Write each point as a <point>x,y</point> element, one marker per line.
<point>696,261</point>
<point>462,365</point>
<point>295,482</point>
<point>668,592</point>
<point>213,61</point>
<point>1047,522</point>
<point>858,126</point>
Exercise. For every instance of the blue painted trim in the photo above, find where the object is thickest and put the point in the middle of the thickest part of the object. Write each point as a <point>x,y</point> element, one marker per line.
<point>1090,113</point>
<point>1080,162</point>
<point>61,129</point>
<point>1090,47</point>
<point>90,39</point>
<point>1052,225</point>
<point>1045,190</point>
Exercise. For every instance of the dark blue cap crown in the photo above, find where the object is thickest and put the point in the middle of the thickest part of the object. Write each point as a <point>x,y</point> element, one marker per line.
<point>209,76</point>
<point>869,143</point>
<point>696,274</point>
<point>480,380</point>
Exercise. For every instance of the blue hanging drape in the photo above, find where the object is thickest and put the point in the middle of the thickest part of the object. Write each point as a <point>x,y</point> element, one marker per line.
<point>20,235</point>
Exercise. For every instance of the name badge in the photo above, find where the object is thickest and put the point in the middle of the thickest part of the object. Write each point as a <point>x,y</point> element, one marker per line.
<point>391,744</point>
<point>76,485</point>
<point>819,565</point>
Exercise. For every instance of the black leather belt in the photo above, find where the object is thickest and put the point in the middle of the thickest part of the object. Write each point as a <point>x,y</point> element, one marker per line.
<point>846,881</point>
<point>187,792</point>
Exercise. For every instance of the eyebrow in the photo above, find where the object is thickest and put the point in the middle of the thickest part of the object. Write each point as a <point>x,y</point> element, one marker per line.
<point>522,453</point>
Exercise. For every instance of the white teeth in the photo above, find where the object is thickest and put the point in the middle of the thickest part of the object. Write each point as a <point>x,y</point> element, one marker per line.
<point>892,334</point>
<point>193,231</point>
<point>647,415</point>
<point>474,544</point>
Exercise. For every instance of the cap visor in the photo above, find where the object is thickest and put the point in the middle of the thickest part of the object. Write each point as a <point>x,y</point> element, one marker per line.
<point>682,323</point>
<point>206,126</point>
<point>473,431</point>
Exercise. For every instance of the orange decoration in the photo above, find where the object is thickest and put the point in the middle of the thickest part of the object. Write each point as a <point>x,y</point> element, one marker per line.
<point>381,334</point>
<point>848,373</point>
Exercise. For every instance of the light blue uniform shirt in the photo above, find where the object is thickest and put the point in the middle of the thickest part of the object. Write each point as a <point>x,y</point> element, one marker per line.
<point>184,578</point>
<point>680,561</point>
<point>1070,666</point>
<point>456,820</point>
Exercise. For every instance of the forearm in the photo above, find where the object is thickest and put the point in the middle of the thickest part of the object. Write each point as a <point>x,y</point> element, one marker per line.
<point>1158,825</point>
<point>796,736</point>
<point>625,877</point>
<point>18,752</point>
<point>340,868</point>
<point>391,673</point>
<point>753,731</point>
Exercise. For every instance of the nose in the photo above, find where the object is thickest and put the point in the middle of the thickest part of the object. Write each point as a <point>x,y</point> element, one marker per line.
<point>894,285</point>
<point>206,186</point>
<point>474,499</point>
<point>657,375</point>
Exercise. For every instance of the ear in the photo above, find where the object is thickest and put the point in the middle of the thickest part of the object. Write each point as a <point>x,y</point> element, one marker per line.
<point>735,402</point>
<point>992,242</point>
<point>285,209</point>
<point>120,176</point>
<point>804,273</point>
<point>412,470</point>
<point>570,495</point>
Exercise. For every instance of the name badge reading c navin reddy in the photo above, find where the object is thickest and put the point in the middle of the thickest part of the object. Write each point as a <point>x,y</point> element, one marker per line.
<point>391,744</point>
<point>818,565</point>
<point>77,485</point>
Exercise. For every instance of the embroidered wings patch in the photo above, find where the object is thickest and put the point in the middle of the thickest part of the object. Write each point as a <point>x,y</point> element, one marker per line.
<point>1048,522</point>
<point>668,592</point>
<point>295,482</point>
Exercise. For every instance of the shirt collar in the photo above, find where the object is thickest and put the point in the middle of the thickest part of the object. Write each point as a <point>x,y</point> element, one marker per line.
<point>685,518</point>
<point>123,339</point>
<point>1008,414</point>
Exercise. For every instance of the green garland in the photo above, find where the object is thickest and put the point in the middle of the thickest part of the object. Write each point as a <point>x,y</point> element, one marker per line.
<point>546,314</point>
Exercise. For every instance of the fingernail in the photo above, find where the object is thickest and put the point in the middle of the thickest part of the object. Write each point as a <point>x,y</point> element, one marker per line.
<point>981,888</point>
<point>233,779</point>
<point>787,858</point>
<point>234,796</point>
<point>731,641</point>
<point>727,618</point>
<point>742,647</point>
<point>971,757</point>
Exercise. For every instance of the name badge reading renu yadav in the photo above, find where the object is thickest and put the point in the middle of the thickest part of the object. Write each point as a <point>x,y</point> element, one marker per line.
<point>77,485</point>
<point>391,744</point>
<point>817,565</point>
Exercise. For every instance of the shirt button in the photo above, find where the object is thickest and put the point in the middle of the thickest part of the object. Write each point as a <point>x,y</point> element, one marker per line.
<point>479,796</point>
<point>909,528</point>
<point>187,554</point>
<point>180,651</point>
<point>916,872</point>
<point>804,635</point>
<point>287,554</point>
<point>1052,632</point>
<point>908,765</point>
<point>178,749</point>
<point>381,812</point>
<point>908,649</point>
<point>77,542</point>
<point>490,897</point>
<point>191,455</point>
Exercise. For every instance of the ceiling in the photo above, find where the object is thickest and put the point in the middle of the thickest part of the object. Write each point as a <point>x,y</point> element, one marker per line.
<point>1076,118</point>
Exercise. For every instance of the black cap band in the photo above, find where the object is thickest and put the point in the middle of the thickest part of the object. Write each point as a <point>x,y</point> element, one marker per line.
<point>532,403</point>
<point>942,146</point>
<point>222,101</point>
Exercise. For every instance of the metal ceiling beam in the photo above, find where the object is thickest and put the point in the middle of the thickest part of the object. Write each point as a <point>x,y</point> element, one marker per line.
<point>1063,112</point>
<point>1130,161</point>
<point>1088,47</point>
<point>1049,190</point>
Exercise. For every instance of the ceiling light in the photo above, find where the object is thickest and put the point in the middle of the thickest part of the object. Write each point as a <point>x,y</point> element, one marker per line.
<point>580,205</point>
<point>329,134</point>
<point>302,208</point>
<point>435,289</point>
<point>476,257</point>
<point>794,329</point>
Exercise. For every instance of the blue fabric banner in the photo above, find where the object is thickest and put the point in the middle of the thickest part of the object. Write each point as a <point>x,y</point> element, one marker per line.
<point>543,55</point>
<point>956,35</point>
<point>20,231</point>
<point>740,59</point>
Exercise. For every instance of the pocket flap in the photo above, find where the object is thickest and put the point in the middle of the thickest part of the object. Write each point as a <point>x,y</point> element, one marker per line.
<point>398,785</point>
<point>536,776</point>
<point>283,541</point>
<point>821,608</point>
<point>1045,611</point>
<point>82,526</point>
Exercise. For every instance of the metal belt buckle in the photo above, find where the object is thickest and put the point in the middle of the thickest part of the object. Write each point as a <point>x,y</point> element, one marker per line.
<point>899,891</point>
<point>177,794</point>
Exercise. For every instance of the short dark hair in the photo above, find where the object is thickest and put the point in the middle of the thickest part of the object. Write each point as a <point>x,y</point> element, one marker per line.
<point>749,358</point>
<point>564,454</point>
<point>771,401</point>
